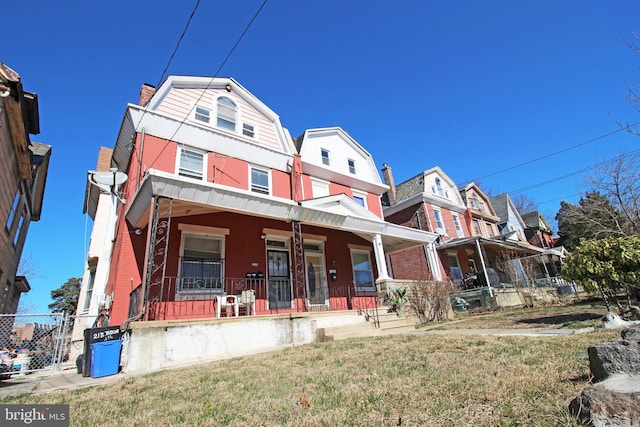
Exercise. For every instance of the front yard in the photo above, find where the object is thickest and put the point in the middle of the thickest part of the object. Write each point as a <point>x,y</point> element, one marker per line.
<point>410,380</point>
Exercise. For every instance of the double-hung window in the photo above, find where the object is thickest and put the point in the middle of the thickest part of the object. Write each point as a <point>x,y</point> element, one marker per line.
<point>438,216</point>
<point>362,270</point>
<point>201,262</point>
<point>248,130</point>
<point>191,163</point>
<point>456,224</point>
<point>259,180</point>
<point>325,157</point>
<point>352,166</point>
<point>226,117</point>
<point>202,114</point>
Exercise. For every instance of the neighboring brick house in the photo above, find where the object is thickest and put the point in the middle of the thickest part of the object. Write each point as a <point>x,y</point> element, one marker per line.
<point>537,231</point>
<point>481,217</point>
<point>222,206</point>
<point>428,201</point>
<point>23,174</point>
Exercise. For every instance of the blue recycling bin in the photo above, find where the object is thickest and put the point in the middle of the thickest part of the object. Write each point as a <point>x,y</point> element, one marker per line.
<point>105,358</point>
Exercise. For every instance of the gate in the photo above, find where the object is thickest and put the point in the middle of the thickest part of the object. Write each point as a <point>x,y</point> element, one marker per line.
<point>33,342</point>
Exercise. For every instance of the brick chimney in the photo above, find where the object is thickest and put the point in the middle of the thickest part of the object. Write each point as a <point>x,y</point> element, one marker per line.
<point>146,93</point>
<point>388,179</point>
<point>104,159</point>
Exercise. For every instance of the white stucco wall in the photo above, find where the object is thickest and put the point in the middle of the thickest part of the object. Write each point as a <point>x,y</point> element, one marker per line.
<point>151,346</point>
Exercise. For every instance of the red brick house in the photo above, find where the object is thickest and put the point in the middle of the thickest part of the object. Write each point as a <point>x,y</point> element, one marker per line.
<point>222,208</point>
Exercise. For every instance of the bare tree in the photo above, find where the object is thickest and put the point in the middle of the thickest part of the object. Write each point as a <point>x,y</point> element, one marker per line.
<point>633,88</point>
<point>524,204</point>
<point>619,181</point>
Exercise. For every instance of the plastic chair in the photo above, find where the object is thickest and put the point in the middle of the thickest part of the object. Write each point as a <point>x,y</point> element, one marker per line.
<point>248,299</point>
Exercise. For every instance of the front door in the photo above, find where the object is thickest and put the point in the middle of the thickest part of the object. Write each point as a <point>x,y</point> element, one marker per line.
<point>316,278</point>
<point>279,281</point>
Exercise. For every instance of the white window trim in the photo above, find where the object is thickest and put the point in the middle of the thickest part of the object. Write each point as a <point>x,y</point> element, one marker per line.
<point>368,254</point>
<point>322,157</point>
<point>194,232</point>
<point>236,115</point>
<point>262,169</point>
<point>204,163</point>
<point>254,127</point>
<point>320,183</point>
<point>440,223</point>
<point>457,224</point>
<point>349,161</point>
<point>195,114</point>
<point>362,195</point>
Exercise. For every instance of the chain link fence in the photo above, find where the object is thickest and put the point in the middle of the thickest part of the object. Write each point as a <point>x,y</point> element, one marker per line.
<point>33,342</point>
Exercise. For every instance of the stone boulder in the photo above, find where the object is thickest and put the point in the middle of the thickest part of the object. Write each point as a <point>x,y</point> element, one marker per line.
<point>614,400</point>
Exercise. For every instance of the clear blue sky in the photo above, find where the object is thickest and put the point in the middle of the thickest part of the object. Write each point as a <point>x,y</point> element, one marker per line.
<point>472,86</point>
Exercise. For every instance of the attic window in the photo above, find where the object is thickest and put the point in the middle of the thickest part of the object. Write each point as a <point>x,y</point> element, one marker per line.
<point>202,114</point>
<point>325,157</point>
<point>226,113</point>
<point>248,130</point>
<point>437,189</point>
<point>352,166</point>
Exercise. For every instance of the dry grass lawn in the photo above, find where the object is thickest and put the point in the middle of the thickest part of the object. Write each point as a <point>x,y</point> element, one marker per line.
<point>408,380</point>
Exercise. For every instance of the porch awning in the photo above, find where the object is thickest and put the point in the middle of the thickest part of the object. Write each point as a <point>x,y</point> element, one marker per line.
<point>336,212</point>
<point>524,248</point>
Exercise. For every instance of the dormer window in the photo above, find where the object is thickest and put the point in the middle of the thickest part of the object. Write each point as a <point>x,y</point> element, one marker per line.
<point>474,202</point>
<point>325,157</point>
<point>352,166</point>
<point>202,114</point>
<point>226,118</point>
<point>437,189</point>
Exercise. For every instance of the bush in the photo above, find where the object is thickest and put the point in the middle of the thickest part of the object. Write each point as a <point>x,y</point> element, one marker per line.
<point>429,301</point>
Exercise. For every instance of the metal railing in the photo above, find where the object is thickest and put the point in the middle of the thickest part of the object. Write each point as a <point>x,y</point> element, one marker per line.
<point>175,300</point>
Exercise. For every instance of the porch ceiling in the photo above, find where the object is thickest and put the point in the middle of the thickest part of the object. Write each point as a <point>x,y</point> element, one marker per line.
<point>523,248</point>
<point>192,197</point>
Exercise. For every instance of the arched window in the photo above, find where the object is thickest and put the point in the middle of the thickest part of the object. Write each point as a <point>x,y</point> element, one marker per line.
<point>226,114</point>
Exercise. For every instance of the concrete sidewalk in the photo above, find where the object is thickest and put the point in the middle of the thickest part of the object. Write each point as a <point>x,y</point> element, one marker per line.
<point>41,382</point>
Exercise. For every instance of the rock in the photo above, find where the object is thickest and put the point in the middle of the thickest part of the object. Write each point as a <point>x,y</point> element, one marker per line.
<point>614,402</point>
<point>631,334</point>
<point>621,356</point>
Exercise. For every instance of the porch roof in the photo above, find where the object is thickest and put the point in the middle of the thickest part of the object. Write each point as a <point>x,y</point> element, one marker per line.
<point>525,248</point>
<point>338,212</point>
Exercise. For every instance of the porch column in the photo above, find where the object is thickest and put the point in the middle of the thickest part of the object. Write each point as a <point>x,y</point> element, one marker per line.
<point>381,262</point>
<point>484,266</point>
<point>432,260</point>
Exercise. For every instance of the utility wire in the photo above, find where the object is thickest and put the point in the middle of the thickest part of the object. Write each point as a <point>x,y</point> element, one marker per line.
<point>579,171</point>
<point>546,156</point>
<point>173,54</point>
<point>235,45</point>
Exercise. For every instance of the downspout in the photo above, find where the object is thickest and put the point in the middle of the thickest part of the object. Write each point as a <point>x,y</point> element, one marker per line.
<point>484,267</point>
<point>142,134</point>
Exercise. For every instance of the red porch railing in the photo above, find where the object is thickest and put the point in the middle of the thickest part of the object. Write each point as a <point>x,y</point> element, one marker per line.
<point>185,298</point>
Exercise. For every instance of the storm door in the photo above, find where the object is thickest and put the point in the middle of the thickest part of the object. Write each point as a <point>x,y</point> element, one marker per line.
<point>279,279</point>
<point>316,278</point>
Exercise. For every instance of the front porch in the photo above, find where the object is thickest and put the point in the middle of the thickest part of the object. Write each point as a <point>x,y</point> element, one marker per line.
<point>182,298</point>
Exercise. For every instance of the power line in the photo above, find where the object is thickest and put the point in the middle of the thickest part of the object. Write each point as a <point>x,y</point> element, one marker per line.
<point>173,54</point>
<point>528,162</point>
<point>578,172</point>
<point>235,45</point>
